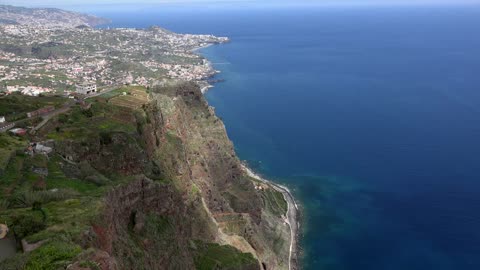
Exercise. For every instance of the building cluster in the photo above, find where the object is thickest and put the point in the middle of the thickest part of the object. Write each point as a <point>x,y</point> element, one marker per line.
<point>189,72</point>
<point>41,17</point>
<point>39,58</point>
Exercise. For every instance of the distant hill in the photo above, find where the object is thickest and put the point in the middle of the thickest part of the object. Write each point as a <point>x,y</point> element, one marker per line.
<point>43,16</point>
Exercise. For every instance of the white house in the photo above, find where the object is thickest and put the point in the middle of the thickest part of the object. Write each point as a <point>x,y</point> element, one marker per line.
<point>2,119</point>
<point>86,88</point>
<point>43,149</point>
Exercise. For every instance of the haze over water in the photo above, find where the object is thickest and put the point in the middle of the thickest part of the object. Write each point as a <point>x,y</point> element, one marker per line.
<point>371,115</point>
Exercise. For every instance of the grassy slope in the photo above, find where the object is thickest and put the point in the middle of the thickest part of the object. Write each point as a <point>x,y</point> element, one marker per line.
<point>8,145</point>
<point>69,204</point>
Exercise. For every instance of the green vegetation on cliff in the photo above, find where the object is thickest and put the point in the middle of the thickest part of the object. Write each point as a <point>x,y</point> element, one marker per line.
<point>214,256</point>
<point>156,185</point>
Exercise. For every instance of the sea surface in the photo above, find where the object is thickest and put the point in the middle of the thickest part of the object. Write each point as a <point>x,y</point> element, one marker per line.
<point>371,115</point>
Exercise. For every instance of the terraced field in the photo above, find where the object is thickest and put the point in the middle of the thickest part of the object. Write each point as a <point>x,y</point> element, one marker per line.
<point>132,98</point>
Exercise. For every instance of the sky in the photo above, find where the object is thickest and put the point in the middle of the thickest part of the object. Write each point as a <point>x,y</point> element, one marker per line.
<point>60,3</point>
<point>96,6</point>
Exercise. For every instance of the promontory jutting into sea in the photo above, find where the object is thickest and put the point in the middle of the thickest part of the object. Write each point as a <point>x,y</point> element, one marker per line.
<point>352,135</point>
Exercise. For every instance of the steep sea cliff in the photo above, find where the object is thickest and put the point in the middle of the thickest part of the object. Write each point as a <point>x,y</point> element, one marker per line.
<point>158,187</point>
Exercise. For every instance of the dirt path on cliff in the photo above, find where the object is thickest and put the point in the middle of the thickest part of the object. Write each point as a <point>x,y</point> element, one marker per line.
<point>233,240</point>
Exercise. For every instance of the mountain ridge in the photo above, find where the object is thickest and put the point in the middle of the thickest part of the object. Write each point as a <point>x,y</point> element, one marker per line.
<point>53,16</point>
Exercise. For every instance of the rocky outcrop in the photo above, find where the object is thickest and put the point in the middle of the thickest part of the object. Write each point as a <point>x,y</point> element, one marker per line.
<point>148,225</point>
<point>106,153</point>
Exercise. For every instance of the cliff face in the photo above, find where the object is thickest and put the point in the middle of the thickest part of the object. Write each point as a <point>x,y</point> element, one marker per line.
<point>154,188</point>
<point>209,198</point>
<point>151,224</point>
<point>204,160</point>
<point>107,153</point>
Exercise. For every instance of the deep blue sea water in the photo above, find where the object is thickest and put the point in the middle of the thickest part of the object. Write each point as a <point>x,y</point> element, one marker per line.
<point>370,114</point>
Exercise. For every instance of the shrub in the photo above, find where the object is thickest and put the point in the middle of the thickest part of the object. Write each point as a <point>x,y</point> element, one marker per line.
<point>19,261</point>
<point>63,118</point>
<point>28,224</point>
<point>88,113</point>
<point>105,138</point>
<point>53,255</point>
<point>29,198</point>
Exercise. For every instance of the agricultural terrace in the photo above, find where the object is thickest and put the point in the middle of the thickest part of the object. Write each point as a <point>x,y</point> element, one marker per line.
<point>8,146</point>
<point>132,97</point>
<point>81,124</point>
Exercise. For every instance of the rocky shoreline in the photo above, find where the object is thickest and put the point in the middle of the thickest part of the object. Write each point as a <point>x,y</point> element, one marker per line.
<point>292,218</point>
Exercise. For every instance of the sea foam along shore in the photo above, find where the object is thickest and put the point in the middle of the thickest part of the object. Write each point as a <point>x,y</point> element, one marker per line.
<point>204,89</point>
<point>291,218</point>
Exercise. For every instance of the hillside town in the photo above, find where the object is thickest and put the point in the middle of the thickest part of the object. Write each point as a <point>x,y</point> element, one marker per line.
<point>51,58</point>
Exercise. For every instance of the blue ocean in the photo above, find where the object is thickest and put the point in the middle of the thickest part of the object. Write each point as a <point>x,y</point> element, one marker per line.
<point>370,114</point>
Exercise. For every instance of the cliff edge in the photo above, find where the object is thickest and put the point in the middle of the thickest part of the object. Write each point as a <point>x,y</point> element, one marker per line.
<point>152,186</point>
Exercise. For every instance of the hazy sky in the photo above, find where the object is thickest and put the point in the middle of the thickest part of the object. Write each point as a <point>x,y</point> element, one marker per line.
<point>330,2</point>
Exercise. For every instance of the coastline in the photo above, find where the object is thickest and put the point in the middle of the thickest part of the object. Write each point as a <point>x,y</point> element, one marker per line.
<point>195,50</point>
<point>205,88</point>
<point>292,218</point>
<point>204,84</point>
